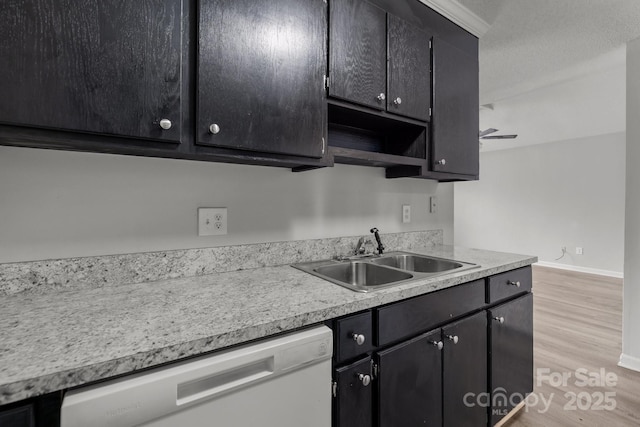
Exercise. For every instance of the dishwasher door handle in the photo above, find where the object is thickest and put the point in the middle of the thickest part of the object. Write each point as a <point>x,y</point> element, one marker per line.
<point>222,382</point>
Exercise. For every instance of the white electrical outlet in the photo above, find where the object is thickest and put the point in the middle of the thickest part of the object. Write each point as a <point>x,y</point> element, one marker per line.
<point>406,214</point>
<point>433,204</point>
<point>212,221</point>
<point>578,250</point>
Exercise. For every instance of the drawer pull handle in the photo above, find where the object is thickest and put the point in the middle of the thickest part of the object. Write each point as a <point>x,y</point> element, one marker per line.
<point>358,338</point>
<point>438,344</point>
<point>364,379</point>
<point>453,338</point>
<point>381,97</point>
<point>499,319</point>
<point>512,283</point>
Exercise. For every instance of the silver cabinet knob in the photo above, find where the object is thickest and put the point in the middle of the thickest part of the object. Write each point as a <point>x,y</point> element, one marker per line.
<point>165,124</point>
<point>358,338</point>
<point>441,162</point>
<point>214,129</point>
<point>364,379</point>
<point>397,101</point>
<point>499,319</point>
<point>381,97</point>
<point>453,338</point>
<point>512,283</point>
<point>438,344</point>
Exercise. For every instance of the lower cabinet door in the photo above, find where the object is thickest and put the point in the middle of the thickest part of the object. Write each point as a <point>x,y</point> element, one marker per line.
<point>464,372</point>
<point>410,382</point>
<point>511,346</point>
<point>353,398</point>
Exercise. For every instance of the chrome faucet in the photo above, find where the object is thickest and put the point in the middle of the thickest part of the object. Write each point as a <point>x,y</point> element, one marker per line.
<point>361,248</point>
<point>377,236</point>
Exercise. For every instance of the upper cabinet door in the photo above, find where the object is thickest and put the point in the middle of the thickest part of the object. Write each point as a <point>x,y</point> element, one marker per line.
<point>261,75</point>
<point>409,70</point>
<point>358,53</point>
<point>455,121</point>
<point>107,67</point>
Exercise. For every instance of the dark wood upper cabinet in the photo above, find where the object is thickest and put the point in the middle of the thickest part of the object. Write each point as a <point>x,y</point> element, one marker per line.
<point>261,68</point>
<point>105,67</point>
<point>378,60</point>
<point>409,70</point>
<point>358,52</point>
<point>455,122</point>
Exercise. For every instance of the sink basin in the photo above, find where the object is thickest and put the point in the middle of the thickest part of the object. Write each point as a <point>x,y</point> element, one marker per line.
<point>423,264</point>
<point>372,272</point>
<point>362,274</point>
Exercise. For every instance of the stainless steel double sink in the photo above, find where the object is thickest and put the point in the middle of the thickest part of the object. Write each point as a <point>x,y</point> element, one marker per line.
<point>368,273</point>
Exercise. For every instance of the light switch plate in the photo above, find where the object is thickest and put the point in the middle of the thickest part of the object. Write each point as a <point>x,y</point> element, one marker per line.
<point>212,221</point>
<point>433,204</point>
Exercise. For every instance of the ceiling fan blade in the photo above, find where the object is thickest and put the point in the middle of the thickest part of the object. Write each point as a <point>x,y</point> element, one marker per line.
<point>487,131</point>
<point>499,137</point>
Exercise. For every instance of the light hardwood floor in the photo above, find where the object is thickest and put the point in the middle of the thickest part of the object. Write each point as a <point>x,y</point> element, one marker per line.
<point>577,325</point>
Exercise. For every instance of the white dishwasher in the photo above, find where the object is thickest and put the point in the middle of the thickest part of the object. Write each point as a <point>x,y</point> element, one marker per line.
<point>279,382</point>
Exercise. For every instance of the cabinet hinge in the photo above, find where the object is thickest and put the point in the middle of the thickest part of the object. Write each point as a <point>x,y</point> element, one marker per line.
<point>324,144</point>
<point>334,388</point>
<point>430,44</point>
<point>326,82</point>
<point>375,370</point>
<point>429,111</point>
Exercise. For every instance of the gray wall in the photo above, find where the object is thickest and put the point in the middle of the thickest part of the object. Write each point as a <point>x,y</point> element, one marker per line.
<point>56,204</point>
<point>630,356</point>
<point>538,198</point>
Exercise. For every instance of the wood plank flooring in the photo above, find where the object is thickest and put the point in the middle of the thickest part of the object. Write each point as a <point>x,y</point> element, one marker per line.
<point>577,325</point>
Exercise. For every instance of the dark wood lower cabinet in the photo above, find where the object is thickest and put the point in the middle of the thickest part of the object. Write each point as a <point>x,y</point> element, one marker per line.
<point>352,403</point>
<point>511,354</point>
<point>464,373</point>
<point>410,382</point>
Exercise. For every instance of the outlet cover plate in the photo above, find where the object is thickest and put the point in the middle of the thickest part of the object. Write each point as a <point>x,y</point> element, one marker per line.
<point>212,221</point>
<point>406,214</point>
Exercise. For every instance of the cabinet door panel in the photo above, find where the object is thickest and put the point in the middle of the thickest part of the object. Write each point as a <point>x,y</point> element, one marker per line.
<point>409,70</point>
<point>108,67</point>
<point>261,75</point>
<point>511,346</point>
<point>465,371</point>
<point>352,404</point>
<point>357,52</point>
<point>455,119</point>
<point>410,383</point>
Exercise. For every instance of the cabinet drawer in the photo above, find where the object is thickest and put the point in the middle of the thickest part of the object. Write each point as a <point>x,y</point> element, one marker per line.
<point>353,336</point>
<point>508,284</point>
<point>419,314</point>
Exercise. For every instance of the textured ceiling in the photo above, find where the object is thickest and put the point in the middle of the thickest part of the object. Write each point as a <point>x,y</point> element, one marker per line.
<point>533,39</point>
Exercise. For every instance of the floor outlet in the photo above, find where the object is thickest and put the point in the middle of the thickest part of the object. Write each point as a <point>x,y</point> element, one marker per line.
<point>212,221</point>
<point>406,214</point>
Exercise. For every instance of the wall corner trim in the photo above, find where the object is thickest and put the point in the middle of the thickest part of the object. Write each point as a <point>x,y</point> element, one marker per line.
<point>460,15</point>
<point>588,270</point>
<point>629,362</point>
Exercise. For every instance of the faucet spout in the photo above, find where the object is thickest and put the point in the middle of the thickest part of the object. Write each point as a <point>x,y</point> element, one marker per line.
<point>377,236</point>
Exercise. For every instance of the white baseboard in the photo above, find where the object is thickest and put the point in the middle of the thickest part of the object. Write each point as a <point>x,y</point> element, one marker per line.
<point>629,362</point>
<point>608,273</point>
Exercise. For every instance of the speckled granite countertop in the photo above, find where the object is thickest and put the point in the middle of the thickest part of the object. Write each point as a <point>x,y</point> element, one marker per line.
<point>54,341</point>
